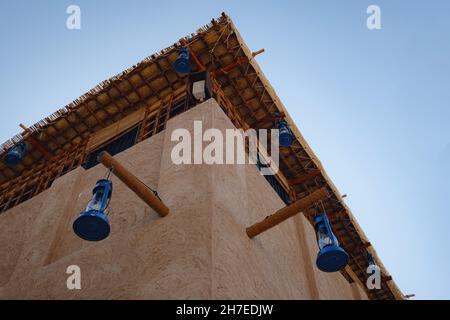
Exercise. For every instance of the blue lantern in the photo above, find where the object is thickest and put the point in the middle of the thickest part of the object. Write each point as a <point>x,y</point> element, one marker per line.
<point>183,64</point>
<point>331,256</point>
<point>92,224</point>
<point>371,260</point>
<point>286,135</point>
<point>16,154</point>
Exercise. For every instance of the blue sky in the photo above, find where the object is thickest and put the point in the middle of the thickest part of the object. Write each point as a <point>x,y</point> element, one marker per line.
<point>373,105</point>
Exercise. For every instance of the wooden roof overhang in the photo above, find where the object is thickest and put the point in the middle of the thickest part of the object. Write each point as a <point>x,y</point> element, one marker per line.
<point>217,46</point>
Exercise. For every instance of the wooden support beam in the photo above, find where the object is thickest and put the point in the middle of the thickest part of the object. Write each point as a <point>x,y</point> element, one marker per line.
<point>355,278</point>
<point>92,113</point>
<point>304,178</point>
<point>386,278</point>
<point>359,247</point>
<point>36,143</point>
<point>267,120</point>
<point>141,190</point>
<point>337,217</point>
<point>286,212</point>
<point>197,61</point>
<point>233,65</point>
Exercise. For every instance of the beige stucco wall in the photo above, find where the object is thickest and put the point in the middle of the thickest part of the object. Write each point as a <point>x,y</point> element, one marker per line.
<point>199,251</point>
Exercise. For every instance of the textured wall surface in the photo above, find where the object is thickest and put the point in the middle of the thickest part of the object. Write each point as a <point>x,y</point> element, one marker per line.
<point>199,251</point>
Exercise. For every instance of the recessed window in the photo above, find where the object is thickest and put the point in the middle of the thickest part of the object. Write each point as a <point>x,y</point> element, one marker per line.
<point>114,147</point>
<point>275,185</point>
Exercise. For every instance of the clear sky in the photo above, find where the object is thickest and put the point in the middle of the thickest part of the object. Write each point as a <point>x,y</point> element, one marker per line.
<point>373,104</point>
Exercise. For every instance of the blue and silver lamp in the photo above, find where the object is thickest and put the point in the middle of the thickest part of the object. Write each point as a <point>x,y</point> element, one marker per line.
<point>331,256</point>
<point>183,63</point>
<point>16,154</point>
<point>92,224</point>
<point>286,135</point>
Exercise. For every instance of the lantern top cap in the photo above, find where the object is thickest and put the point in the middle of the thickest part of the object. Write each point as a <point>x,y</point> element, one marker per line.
<point>20,144</point>
<point>101,184</point>
<point>320,218</point>
<point>103,181</point>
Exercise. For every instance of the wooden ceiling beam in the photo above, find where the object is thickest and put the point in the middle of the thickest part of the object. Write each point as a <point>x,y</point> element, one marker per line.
<point>36,143</point>
<point>124,95</point>
<point>304,178</point>
<point>92,113</point>
<point>164,74</point>
<point>114,102</point>
<point>154,92</point>
<point>267,120</point>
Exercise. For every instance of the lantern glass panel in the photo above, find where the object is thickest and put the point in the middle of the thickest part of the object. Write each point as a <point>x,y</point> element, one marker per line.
<point>96,202</point>
<point>323,238</point>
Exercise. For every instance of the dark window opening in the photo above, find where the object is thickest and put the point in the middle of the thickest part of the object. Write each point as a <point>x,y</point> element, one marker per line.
<point>114,147</point>
<point>275,184</point>
<point>178,108</point>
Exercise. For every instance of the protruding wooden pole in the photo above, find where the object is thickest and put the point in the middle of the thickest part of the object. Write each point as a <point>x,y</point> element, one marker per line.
<point>133,183</point>
<point>286,212</point>
<point>254,54</point>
